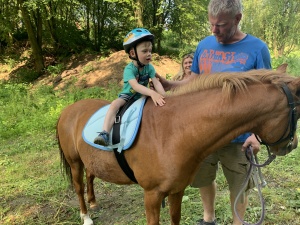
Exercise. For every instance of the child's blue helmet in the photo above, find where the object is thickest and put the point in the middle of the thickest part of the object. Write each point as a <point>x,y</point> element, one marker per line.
<point>136,36</point>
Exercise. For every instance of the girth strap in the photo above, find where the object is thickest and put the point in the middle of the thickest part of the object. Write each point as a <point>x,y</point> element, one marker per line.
<point>116,139</point>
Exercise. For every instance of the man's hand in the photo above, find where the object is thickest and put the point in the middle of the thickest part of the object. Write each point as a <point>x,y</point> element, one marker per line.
<point>253,142</point>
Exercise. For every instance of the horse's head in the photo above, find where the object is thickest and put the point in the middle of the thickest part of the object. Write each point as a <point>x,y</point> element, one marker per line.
<point>283,139</point>
<point>285,147</point>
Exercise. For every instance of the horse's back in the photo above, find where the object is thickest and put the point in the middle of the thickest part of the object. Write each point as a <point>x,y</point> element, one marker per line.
<point>85,106</point>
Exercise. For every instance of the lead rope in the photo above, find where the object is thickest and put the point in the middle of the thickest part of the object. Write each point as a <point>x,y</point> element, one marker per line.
<point>255,169</point>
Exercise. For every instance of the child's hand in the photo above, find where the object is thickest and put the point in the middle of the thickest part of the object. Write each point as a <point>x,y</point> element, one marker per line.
<point>158,99</point>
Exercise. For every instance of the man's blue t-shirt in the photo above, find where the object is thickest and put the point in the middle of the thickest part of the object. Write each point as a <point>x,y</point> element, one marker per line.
<point>246,54</point>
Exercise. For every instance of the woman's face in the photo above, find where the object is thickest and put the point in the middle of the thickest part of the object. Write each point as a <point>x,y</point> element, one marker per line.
<point>186,65</point>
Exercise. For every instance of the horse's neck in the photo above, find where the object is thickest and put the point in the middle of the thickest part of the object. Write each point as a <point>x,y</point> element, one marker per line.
<point>213,121</point>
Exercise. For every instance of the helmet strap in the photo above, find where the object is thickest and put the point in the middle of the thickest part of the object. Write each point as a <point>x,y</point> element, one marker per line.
<point>141,65</point>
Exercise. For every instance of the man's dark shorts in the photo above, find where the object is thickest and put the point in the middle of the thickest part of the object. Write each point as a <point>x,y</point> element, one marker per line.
<point>234,164</point>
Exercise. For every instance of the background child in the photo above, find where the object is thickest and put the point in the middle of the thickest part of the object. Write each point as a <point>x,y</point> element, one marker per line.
<point>138,44</point>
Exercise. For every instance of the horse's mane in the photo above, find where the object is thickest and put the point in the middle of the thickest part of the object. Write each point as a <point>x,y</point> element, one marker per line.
<point>232,82</point>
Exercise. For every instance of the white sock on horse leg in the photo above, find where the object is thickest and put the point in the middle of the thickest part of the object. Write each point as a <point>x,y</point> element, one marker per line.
<point>86,219</point>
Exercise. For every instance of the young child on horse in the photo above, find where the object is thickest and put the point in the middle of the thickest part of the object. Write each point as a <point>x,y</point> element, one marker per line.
<point>138,44</point>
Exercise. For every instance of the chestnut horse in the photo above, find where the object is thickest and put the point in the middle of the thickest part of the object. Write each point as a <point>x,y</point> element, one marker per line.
<point>198,118</point>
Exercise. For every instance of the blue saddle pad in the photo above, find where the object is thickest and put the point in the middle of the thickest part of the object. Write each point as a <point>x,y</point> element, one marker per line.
<point>129,126</point>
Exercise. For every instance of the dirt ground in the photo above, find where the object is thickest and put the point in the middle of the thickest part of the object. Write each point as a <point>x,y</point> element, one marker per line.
<point>91,70</point>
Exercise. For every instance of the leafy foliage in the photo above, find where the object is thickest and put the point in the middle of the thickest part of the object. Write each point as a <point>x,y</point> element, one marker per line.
<point>73,26</point>
<point>293,62</point>
<point>26,111</point>
<point>274,22</point>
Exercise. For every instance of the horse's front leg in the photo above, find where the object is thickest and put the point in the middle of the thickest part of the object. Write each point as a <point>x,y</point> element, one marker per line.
<point>90,190</point>
<point>152,201</point>
<point>174,201</point>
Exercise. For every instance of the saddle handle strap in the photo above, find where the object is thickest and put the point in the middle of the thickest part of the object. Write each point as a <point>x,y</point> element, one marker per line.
<point>116,139</point>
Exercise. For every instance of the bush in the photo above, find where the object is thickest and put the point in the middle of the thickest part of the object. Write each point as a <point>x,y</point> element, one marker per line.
<point>293,62</point>
<point>26,75</point>
<point>55,70</point>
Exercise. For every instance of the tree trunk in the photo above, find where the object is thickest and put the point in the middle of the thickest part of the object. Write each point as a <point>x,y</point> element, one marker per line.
<point>51,23</point>
<point>88,15</point>
<point>139,13</point>
<point>39,26</point>
<point>36,48</point>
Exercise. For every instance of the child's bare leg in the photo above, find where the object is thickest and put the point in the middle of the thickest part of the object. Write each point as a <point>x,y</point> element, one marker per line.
<point>111,113</point>
<point>103,137</point>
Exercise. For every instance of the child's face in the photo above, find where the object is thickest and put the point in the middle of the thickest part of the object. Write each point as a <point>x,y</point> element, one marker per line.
<point>144,51</point>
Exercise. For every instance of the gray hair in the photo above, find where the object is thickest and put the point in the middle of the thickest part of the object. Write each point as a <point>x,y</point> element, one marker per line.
<point>231,7</point>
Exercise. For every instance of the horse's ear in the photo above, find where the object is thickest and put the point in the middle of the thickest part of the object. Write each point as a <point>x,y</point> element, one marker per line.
<point>282,68</point>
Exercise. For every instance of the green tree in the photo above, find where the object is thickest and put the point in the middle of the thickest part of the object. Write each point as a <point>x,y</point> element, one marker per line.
<point>70,26</point>
<point>189,21</point>
<point>8,20</point>
<point>275,22</point>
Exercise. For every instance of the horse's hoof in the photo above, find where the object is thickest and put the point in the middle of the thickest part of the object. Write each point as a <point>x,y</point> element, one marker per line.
<point>94,207</point>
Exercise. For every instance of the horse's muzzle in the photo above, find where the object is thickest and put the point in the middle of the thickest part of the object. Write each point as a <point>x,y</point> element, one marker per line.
<point>291,145</point>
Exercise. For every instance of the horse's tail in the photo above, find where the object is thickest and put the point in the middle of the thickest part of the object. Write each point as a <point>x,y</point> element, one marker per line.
<point>64,165</point>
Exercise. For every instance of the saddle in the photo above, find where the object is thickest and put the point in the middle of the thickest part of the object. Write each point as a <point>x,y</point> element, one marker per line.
<point>129,125</point>
<point>124,130</point>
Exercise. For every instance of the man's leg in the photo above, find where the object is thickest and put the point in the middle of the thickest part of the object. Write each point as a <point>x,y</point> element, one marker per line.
<point>241,207</point>
<point>235,167</point>
<point>208,194</point>
<point>205,181</point>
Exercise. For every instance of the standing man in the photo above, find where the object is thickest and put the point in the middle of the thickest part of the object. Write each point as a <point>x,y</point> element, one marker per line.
<point>228,49</point>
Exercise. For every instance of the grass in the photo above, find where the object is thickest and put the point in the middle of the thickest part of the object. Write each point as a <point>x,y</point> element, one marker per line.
<point>33,191</point>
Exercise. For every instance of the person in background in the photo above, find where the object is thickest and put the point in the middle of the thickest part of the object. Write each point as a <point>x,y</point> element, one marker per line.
<point>138,44</point>
<point>185,67</point>
<point>228,49</point>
